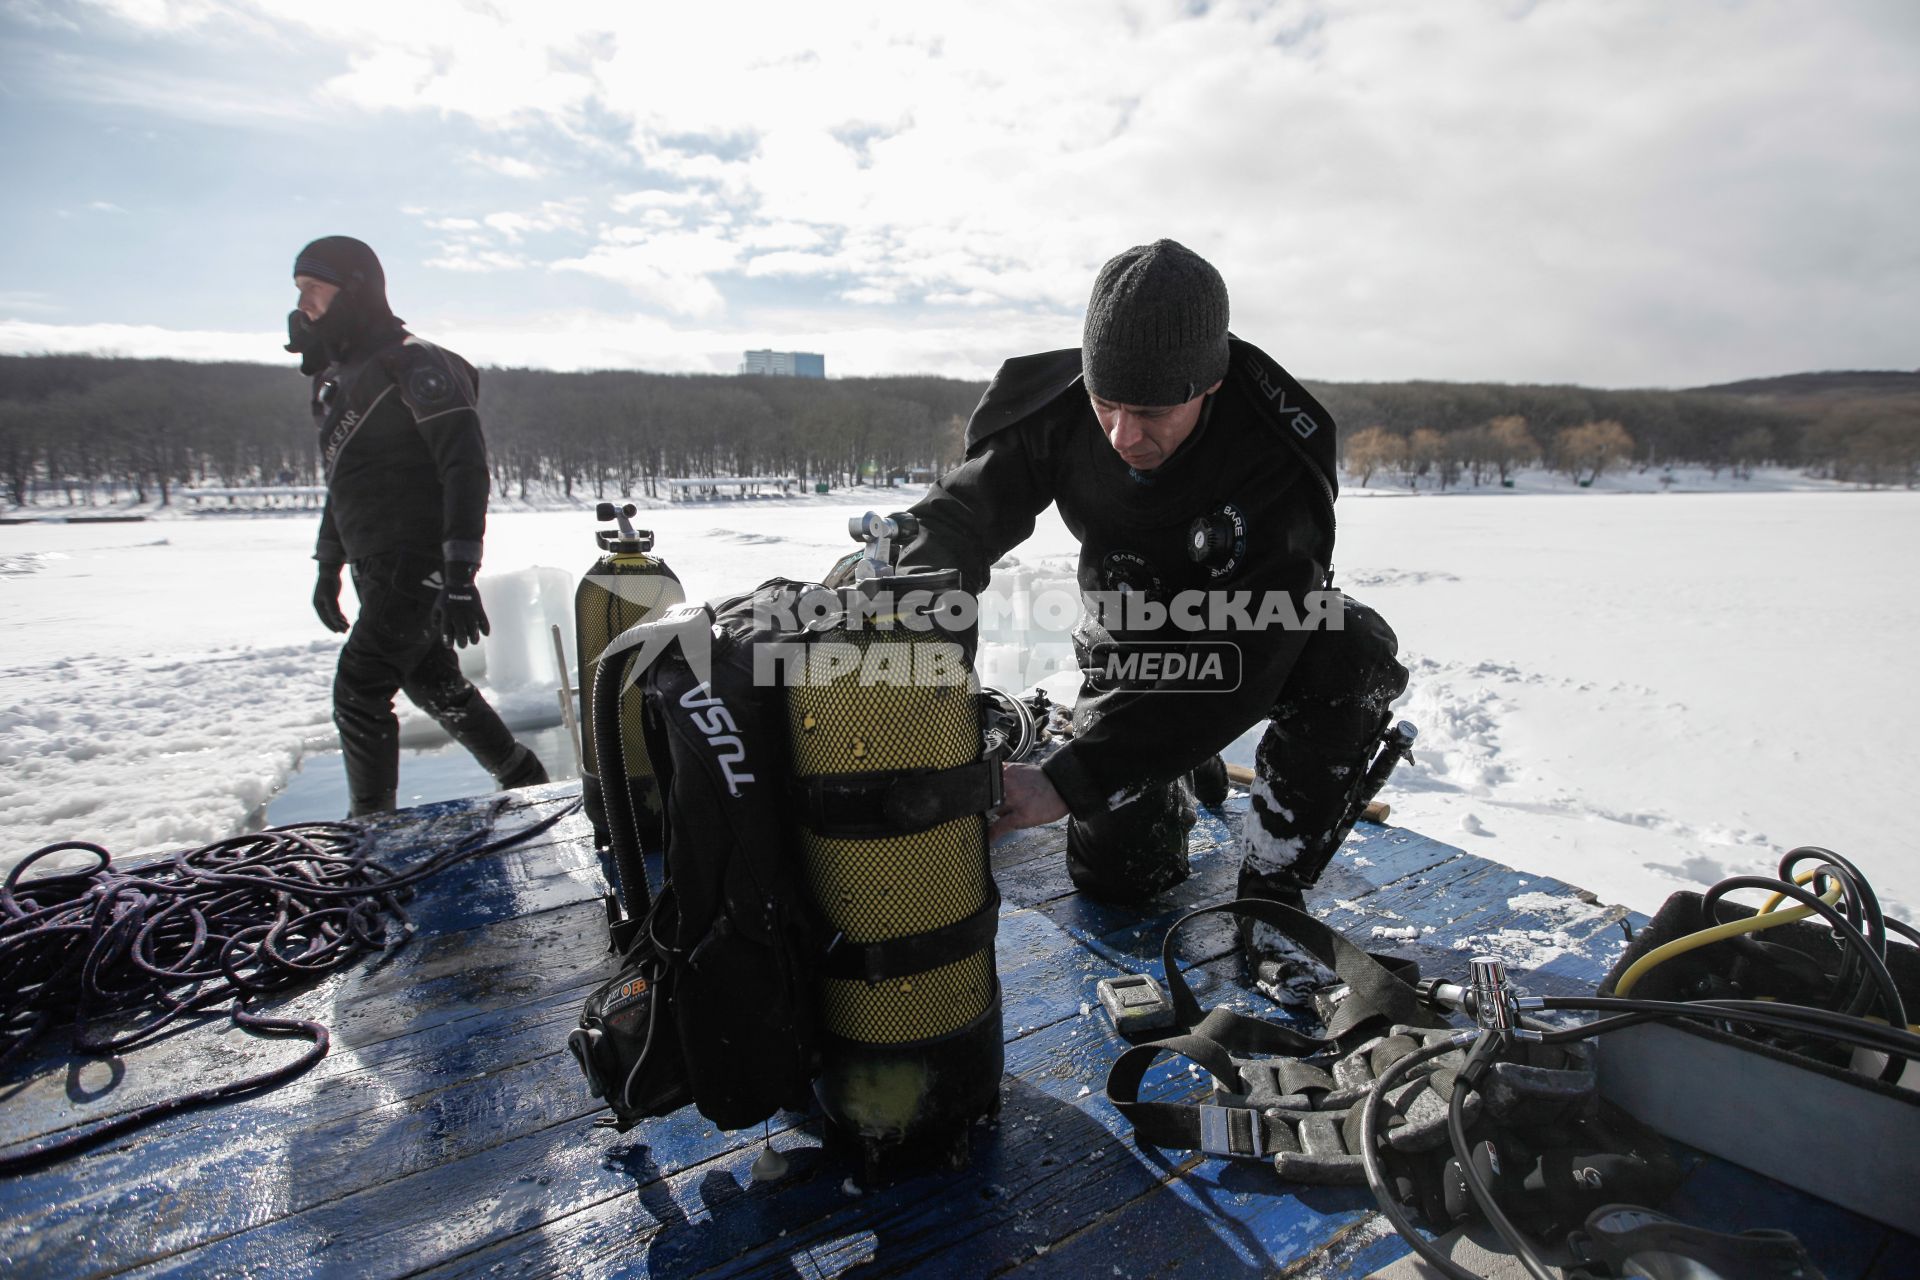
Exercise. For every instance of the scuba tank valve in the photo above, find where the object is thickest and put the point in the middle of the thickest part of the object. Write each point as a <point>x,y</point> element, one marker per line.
<point>879,533</point>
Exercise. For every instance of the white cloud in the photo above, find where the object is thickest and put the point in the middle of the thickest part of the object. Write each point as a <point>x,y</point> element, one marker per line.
<point>670,270</point>
<point>460,257</point>
<point>789,263</point>
<point>491,66</point>
<point>552,215</point>
<point>971,298</point>
<point>633,200</point>
<point>489,244</point>
<point>508,166</point>
<point>104,206</point>
<point>159,15</point>
<point>782,235</point>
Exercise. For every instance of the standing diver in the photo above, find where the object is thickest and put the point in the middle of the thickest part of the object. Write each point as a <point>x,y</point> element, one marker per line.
<point>407,482</point>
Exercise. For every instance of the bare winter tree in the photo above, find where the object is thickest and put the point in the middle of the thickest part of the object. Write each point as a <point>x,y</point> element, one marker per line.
<point>1591,448</point>
<point>1425,448</point>
<point>1513,445</point>
<point>1372,449</point>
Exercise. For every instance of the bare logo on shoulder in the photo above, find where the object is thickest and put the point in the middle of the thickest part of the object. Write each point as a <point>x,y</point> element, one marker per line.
<point>1302,423</point>
<point>712,718</point>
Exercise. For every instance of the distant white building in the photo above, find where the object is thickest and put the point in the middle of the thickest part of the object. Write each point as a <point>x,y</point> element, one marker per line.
<point>785,364</point>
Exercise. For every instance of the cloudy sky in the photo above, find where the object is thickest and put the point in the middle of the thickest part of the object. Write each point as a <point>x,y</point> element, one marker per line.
<point>1614,192</point>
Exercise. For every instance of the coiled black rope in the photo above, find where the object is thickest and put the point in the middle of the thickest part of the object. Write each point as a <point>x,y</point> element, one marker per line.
<point>127,955</point>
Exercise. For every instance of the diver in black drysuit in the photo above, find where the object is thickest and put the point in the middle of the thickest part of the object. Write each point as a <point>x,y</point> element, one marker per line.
<point>1256,470</point>
<point>407,482</point>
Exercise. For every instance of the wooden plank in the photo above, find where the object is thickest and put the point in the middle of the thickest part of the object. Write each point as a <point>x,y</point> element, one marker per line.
<point>1552,939</point>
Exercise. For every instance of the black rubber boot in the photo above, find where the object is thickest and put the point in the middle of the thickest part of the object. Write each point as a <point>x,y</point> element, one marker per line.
<point>523,769</point>
<point>1264,962</point>
<point>1209,783</point>
<point>367,806</point>
<point>1297,813</point>
<point>369,744</point>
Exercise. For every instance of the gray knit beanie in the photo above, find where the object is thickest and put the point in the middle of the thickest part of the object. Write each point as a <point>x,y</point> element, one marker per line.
<point>1156,329</point>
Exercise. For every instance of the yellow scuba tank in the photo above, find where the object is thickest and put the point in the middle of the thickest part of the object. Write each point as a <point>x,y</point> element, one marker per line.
<point>625,586</point>
<point>891,785</point>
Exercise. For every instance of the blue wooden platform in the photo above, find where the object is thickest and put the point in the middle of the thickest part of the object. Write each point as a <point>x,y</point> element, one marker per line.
<point>448,1133</point>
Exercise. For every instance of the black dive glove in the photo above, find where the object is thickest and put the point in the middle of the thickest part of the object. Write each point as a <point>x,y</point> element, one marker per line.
<point>326,598</point>
<point>461,617</point>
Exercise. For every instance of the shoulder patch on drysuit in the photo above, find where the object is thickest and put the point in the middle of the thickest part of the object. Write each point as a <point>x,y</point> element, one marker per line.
<point>432,380</point>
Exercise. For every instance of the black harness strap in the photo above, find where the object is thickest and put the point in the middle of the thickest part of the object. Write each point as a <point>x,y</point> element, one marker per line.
<point>874,962</point>
<point>1375,992</point>
<point>869,806</point>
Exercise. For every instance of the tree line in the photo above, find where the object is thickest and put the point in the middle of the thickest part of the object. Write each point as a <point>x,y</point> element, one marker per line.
<point>1858,428</point>
<point>82,429</point>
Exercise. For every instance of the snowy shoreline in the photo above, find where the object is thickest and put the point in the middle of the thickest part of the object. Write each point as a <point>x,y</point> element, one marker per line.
<point>1532,482</point>
<point>1631,697</point>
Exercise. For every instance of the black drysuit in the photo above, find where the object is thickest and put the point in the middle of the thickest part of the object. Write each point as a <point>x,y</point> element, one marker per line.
<point>407,482</point>
<point>1259,469</point>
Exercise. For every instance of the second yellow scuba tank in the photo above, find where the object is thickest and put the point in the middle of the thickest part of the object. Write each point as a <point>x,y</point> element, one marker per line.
<point>625,586</point>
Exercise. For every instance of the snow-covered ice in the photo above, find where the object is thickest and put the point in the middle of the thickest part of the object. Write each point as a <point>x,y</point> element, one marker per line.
<point>1630,692</point>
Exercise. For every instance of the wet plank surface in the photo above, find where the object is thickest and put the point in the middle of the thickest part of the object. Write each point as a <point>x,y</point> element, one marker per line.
<point>448,1133</point>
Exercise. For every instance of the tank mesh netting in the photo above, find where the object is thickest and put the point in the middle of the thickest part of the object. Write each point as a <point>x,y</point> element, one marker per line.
<point>875,890</point>
<point>617,594</point>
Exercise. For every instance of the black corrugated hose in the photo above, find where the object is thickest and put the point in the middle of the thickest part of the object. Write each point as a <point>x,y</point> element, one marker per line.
<point>196,934</point>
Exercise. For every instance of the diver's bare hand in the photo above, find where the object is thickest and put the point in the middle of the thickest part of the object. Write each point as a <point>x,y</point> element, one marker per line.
<point>1028,800</point>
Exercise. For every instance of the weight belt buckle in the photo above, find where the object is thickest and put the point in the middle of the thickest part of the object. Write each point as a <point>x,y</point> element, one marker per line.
<point>1234,1132</point>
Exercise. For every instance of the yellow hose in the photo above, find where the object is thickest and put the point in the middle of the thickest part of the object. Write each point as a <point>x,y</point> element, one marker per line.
<point>1801,878</point>
<point>1767,918</point>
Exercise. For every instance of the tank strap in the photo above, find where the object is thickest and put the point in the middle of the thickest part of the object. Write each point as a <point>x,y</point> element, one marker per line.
<point>874,962</point>
<point>869,806</point>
